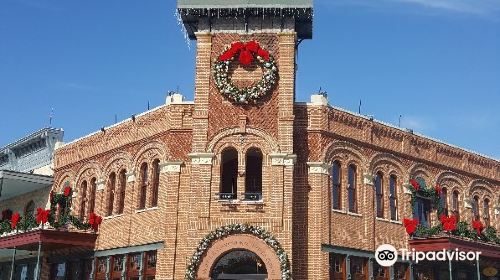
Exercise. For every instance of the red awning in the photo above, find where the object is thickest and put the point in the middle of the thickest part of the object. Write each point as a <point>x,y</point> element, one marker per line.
<point>51,239</point>
<point>489,250</point>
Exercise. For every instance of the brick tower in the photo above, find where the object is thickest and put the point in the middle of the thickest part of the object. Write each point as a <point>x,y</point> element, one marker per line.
<point>223,121</point>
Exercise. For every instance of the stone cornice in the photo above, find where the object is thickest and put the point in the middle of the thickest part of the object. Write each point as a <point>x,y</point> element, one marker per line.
<point>319,168</point>
<point>202,158</point>
<point>283,159</point>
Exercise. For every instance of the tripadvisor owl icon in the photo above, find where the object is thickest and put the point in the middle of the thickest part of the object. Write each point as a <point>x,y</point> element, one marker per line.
<point>386,255</point>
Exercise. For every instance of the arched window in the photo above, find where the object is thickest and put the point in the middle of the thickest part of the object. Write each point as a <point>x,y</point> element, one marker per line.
<point>29,210</point>
<point>422,208</point>
<point>379,194</point>
<point>253,174</point>
<point>393,199</point>
<point>336,185</point>
<point>121,195</point>
<point>475,208</point>
<point>486,212</point>
<point>455,205</point>
<point>443,200</point>
<point>91,196</point>
<point>83,200</point>
<point>156,183</point>
<point>351,188</point>
<point>229,174</point>
<point>111,193</point>
<point>143,188</point>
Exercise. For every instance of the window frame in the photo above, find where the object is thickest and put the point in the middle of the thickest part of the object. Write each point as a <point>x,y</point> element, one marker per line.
<point>393,197</point>
<point>336,185</point>
<point>379,194</point>
<point>111,194</point>
<point>155,185</point>
<point>143,186</point>
<point>352,188</point>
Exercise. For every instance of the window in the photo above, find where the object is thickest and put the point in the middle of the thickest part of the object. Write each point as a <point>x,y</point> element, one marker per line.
<point>156,183</point>
<point>29,210</point>
<point>91,200</point>
<point>443,200</point>
<point>379,194</point>
<point>400,271</point>
<point>150,266</point>
<point>475,208</point>
<point>358,269</point>
<point>253,174</point>
<point>121,195</point>
<point>421,211</point>
<point>393,200</point>
<point>380,272</point>
<point>143,188</point>
<point>336,185</point>
<point>455,205</point>
<point>337,267</point>
<point>101,268</point>
<point>352,188</point>
<point>116,267</point>
<point>83,199</point>
<point>229,174</point>
<point>486,212</point>
<point>111,193</point>
<point>133,266</point>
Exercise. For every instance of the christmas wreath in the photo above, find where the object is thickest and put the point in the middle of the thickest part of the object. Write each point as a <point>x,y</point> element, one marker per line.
<point>246,53</point>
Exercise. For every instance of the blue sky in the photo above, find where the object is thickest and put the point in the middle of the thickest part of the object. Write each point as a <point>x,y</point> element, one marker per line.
<point>436,62</point>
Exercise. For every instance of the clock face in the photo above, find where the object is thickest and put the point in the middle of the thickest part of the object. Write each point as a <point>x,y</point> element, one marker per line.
<point>490,271</point>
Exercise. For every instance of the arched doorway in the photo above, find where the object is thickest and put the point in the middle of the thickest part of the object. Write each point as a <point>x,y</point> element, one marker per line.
<point>239,264</point>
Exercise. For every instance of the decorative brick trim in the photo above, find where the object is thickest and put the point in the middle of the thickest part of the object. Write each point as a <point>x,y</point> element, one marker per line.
<point>319,168</point>
<point>171,167</point>
<point>202,158</point>
<point>283,159</point>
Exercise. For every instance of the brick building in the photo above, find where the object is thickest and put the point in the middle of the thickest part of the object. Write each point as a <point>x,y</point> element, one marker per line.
<point>220,188</point>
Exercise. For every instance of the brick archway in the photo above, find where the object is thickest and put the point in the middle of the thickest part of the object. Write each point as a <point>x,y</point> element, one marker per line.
<point>249,242</point>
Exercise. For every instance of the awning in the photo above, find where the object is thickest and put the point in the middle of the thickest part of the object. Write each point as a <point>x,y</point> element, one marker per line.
<point>430,244</point>
<point>50,240</point>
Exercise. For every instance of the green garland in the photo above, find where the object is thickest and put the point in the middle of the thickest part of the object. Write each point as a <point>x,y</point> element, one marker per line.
<point>426,192</point>
<point>56,221</point>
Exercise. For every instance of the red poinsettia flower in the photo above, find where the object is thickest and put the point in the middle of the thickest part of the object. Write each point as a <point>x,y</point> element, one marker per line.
<point>67,191</point>
<point>14,220</point>
<point>478,226</point>
<point>94,221</point>
<point>415,184</point>
<point>410,225</point>
<point>438,189</point>
<point>42,215</point>
<point>449,223</point>
<point>264,54</point>
<point>252,46</point>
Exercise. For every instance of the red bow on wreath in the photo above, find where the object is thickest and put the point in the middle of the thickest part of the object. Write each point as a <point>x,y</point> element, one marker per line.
<point>449,223</point>
<point>67,191</point>
<point>478,226</point>
<point>95,221</point>
<point>247,51</point>
<point>14,220</point>
<point>410,225</point>
<point>415,184</point>
<point>42,216</point>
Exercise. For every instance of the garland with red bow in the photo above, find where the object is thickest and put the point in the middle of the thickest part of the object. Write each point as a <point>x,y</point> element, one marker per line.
<point>418,187</point>
<point>247,53</point>
<point>57,216</point>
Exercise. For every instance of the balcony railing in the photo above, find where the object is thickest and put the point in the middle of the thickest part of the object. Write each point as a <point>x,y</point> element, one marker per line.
<point>253,196</point>
<point>227,196</point>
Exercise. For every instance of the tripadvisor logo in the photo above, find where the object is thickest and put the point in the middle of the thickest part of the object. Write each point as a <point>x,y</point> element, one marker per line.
<point>387,255</point>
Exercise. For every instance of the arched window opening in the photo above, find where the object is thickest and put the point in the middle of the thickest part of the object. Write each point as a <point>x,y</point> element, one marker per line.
<point>91,199</point>
<point>143,188</point>
<point>229,174</point>
<point>111,193</point>
<point>393,199</point>
<point>422,208</point>
<point>379,194</point>
<point>253,174</point>
<point>455,205</point>
<point>83,200</point>
<point>351,181</point>
<point>336,185</point>
<point>486,212</point>
<point>156,183</point>
<point>121,195</point>
<point>475,208</point>
<point>443,200</point>
<point>29,210</point>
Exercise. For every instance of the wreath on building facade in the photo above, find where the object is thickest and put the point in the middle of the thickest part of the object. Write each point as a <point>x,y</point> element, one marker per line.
<point>448,224</point>
<point>59,215</point>
<point>238,229</point>
<point>246,53</point>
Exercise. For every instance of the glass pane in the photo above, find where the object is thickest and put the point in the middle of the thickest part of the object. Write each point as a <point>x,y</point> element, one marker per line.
<point>118,263</point>
<point>151,260</point>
